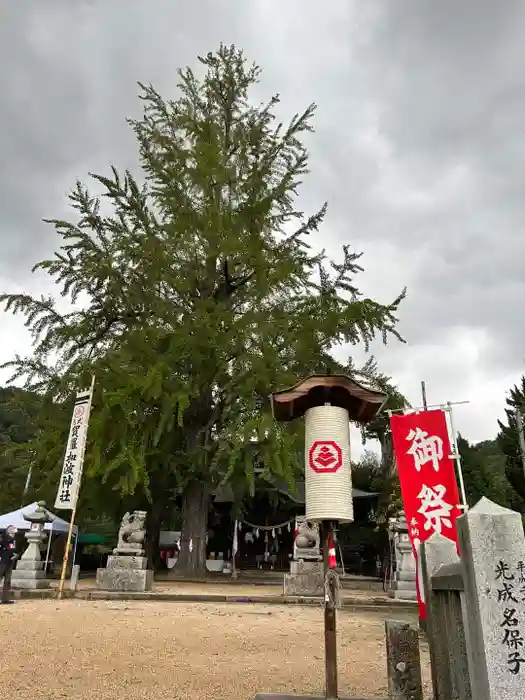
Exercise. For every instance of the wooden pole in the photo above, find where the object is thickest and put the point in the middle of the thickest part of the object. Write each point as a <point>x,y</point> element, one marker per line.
<point>330,621</point>
<point>74,511</point>
<point>457,458</point>
<point>68,547</point>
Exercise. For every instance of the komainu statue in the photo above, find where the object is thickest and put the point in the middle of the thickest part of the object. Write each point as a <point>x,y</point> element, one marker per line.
<point>307,542</point>
<point>132,533</point>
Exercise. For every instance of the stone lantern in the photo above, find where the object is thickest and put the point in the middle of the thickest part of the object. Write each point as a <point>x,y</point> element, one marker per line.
<point>404,586</point>
<point>29,572</point>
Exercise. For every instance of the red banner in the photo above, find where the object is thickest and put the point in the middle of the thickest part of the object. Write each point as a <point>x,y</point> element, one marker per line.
<point>428,480</point>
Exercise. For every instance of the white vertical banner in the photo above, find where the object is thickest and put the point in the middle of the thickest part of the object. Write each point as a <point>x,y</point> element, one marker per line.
<point>71,476</point>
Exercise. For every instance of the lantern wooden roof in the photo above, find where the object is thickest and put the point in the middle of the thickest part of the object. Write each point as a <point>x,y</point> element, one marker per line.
<point>362,403</point>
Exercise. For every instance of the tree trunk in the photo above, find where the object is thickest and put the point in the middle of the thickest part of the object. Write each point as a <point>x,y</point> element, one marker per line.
<point>192,556</point>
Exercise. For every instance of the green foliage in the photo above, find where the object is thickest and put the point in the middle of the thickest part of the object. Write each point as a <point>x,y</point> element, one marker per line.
<point>391,502</point>
<point>33,433</point>
<point>379,428</point>
<point>483,467</point>
<point>368,474</point>
<point>19,423</point>
<point>509,445</point>
<point>199,293</point>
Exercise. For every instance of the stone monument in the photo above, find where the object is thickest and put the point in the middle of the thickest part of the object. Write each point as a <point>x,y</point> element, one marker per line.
<point>29,571</point>
<point>404,585</point>
<point>306,575</point>
<point>403,661</point>
<point>126,569</point>
<point>475,606</point>
<point>492,543</point>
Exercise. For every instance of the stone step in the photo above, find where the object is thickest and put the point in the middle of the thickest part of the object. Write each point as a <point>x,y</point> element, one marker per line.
<point>125,579</point>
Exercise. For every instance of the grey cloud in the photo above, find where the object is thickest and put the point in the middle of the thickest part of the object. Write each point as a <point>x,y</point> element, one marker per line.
<point>448,104</point>
<point>69,75</point>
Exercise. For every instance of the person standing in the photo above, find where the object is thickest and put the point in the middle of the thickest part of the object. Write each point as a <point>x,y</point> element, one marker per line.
<point>8,557</point>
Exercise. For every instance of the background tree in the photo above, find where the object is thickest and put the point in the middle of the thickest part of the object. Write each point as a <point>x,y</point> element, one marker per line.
<point>379,428</point>
<point>200,296</point>
<point>483,475</point>
<point>19,424</point>
<point>365,473</point>
<point>494,460</point>
<point>508,442</point>
<point>28,421</point>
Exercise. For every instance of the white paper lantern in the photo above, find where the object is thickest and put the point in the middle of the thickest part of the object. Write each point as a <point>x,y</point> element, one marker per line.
<point>328,476</point>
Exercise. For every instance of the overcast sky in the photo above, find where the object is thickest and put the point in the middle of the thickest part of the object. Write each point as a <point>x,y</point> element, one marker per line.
<point>419,149</point>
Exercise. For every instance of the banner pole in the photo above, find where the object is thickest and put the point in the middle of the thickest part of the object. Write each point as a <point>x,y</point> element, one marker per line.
<point>424,396</point>
<point>68,546</point>
<point>416,409</point>
<point>74,510</point>
<point>457,457</point>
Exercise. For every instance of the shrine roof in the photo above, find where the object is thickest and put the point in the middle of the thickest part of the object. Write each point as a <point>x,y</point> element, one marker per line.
<point>295,493</point>
<point>361,402</point>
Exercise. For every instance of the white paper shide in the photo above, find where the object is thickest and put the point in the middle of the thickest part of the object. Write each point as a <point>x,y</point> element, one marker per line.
<point>74,459</point>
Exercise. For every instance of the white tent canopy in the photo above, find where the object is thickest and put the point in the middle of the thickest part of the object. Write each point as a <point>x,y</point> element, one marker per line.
<point>16,518</point>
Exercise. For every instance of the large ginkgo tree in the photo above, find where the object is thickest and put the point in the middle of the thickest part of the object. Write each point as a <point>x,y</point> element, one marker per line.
<point>196,295</point>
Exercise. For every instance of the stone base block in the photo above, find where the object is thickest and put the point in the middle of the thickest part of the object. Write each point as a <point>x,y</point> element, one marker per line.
<point>129,551</point>
<point>309,584</point>
<point>406,576</point>
<point>404,588</point>
<point>121,579</point>
<point>306,567</point>
<point>28,573</point>
<point>29,565</point>
<point>403,594</point>
<point>404,585</point>
<point>117,561</point>
<point>30,584</point>
<point>29,578</point>
<point>310,554</point>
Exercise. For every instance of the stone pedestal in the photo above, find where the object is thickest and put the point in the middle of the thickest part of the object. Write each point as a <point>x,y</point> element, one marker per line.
<point>125,573</point>
<point>306,578</point>
<point>404,585</point>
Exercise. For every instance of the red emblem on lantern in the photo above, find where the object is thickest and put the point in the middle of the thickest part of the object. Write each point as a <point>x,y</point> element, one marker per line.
<point>325,457</point>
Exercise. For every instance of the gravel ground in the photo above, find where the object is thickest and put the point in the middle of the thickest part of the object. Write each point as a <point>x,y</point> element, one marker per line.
<point>155,651</point>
